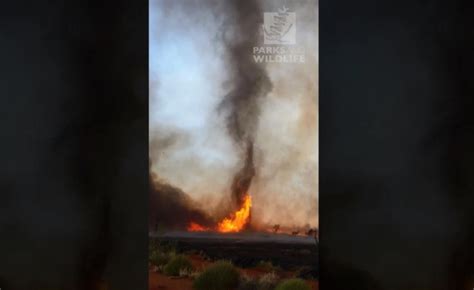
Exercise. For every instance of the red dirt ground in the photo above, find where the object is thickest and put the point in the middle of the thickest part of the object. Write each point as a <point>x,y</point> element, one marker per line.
<point>158,281</point>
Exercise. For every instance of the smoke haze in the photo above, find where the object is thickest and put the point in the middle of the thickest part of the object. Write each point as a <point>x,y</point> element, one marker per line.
<point>212,107</point>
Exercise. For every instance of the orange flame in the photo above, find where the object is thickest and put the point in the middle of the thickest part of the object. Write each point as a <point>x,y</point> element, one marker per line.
<point>194,227</point>
<point>235,223</point>
<point>237,220</point>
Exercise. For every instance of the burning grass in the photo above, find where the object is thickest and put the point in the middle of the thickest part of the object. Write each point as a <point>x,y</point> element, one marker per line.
<point>236,221</point>
<point>195,227</point>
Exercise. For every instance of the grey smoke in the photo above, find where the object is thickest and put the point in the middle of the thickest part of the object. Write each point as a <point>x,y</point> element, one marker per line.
<point>215,104</point>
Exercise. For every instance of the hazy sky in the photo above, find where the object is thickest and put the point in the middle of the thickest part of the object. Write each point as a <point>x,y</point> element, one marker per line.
<point>190,146</point>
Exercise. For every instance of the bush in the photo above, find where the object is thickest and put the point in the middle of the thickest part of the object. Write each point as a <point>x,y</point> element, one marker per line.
<point>176,265</point>
<point>266,282</point>
<point>293,284</point>
<point>220,276</point>
<point>158,258</point>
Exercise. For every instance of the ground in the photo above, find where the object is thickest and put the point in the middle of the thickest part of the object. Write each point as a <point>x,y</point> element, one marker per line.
<point>158,281</point>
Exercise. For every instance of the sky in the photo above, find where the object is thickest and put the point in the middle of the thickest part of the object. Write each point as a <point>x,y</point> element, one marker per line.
<point>190,147</point>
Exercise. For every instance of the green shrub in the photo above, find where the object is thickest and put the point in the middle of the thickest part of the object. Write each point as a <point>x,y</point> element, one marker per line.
<point>220,276</point>
<point>176,264</point>
<point>293,284</point>
<point>159,258</point>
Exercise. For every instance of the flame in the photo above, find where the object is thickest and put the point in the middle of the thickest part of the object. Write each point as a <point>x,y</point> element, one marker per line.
<point>235,223</point>
<point>237,220</point>
<point>194,227</point>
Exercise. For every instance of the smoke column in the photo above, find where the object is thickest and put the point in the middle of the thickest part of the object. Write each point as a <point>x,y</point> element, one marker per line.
<point>250,82</point>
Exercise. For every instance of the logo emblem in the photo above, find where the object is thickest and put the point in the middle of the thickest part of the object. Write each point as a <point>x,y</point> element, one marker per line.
<point>279,27</point>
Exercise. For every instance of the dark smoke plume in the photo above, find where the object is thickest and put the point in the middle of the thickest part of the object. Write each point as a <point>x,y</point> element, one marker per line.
<point>243,178</point>
<point>250,82</point>
<point>170,206</point>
